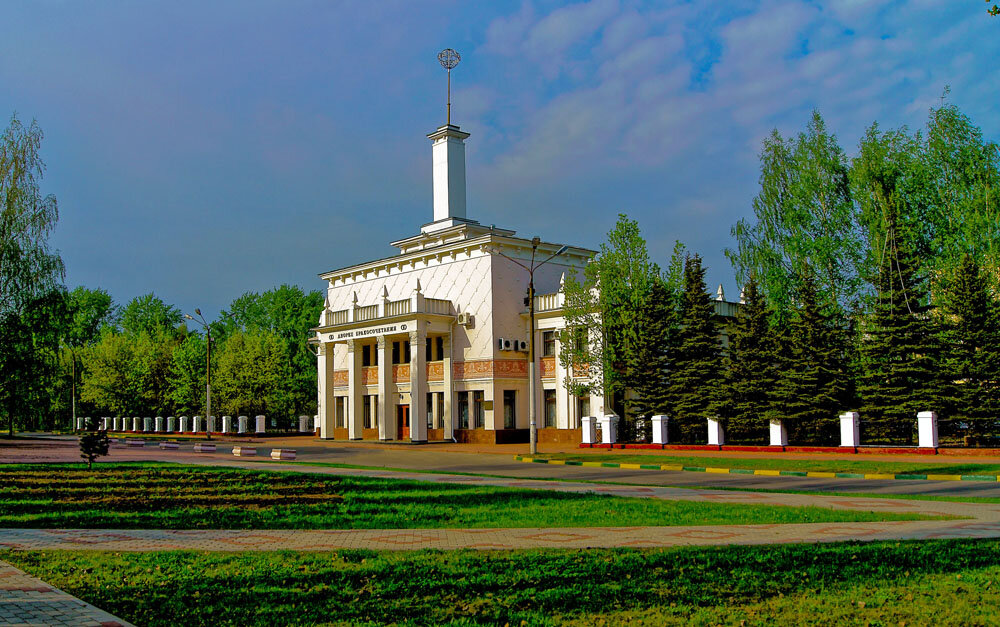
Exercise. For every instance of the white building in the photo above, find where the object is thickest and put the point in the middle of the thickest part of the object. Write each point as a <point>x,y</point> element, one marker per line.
<point>430,344</point>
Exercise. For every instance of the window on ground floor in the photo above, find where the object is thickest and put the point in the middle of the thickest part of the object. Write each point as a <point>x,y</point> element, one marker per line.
<point>478,410</point>
<point>509,409</point>
<point>463,410</point>
<point>370,409</point>
<point>550,408</point>
<point>582,406</point>
<point>548,343</point>
<point>340,411</point>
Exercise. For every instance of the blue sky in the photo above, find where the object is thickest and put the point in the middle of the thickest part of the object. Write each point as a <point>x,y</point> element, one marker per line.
<point>203,149</point>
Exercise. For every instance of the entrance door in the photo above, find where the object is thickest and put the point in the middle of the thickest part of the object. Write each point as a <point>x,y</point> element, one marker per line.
<point>403,421</point>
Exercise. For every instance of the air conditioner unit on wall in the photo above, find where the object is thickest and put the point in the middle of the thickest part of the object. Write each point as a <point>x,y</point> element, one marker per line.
<point>522,345</point>
<point>505,344</point>
<point>465,318</point>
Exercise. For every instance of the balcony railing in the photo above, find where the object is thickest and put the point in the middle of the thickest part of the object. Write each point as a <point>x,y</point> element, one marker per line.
<point>336,317</point>
<point>437,306</point>
<point>369,312</point>
<point>397,307</point>
<point>548,302</point>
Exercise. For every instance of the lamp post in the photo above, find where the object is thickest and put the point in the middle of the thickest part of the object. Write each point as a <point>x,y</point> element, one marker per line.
<point>532,422</point>
<point>208,369</point>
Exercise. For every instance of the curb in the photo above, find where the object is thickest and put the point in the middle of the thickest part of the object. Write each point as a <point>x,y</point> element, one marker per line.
<point>759,472</point>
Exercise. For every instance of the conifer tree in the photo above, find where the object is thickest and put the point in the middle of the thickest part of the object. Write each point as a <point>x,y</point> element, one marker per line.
<point>813,381</point>
<point>657,323</point>
<point>695,376</point>
<point>971,333</point>
<point>750,368</point>
<point>899,356</point>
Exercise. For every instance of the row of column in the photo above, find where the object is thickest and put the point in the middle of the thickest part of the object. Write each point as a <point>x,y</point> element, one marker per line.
<point>388,390</point>
<point>850,428</point>
<point>175,425</point>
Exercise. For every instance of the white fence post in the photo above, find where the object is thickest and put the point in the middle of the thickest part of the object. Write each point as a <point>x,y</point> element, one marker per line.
<point>716,434</point>
<point>927,429</point>
<point>850,433</point>
<point>779,435</point>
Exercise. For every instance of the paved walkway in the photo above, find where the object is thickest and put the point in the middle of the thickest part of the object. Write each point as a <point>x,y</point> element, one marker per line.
<point>26,600</point>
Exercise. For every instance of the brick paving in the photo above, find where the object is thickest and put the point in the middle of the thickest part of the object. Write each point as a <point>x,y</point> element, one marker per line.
<point>26,600</point>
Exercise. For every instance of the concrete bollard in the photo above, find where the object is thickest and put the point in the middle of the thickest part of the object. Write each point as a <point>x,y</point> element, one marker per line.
<point>184,423</point>
<point>136,424</point>
<point>244,451</point>
<point>588,424</point>
<point>147,424</point>
<point>135,443</point>
<point>303,424</point>
<point>927,429</point>
<point>609,428</point>
<point>660,429</point>
<point>159,424</point>
<point>850,431</point>
<point>261,422</point>
<point>210,424</point>
<point>227,424</point>
<point>282,453</point>
<point>716,434</point>
<point>169,446</point>
<point>243,420</point>
<point>315,424</point>
<point>201,447</point>
<point>171,424</point>
<point>779,435</point>
<point>198,424</point>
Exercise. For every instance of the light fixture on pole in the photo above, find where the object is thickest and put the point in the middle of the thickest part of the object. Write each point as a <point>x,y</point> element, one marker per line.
<point>208,369</point>
<point>532,421</point>
<point>448,59</point>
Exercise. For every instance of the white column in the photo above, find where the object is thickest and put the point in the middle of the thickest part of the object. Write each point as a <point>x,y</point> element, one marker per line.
<point>386,414</point>
<point>243,420</point>
<point>199,424</point>
<point>171,424</point>
<point>210,425</point>
<point>159,424</point>
<point>609,428</point>
<point>779,435</point>
<point>327,404</point>
<point>315,424</point>
<point>261,426</point>
<point>227,424</point>
<point>927,429</point>
<point>136,424</point>
<point>303,424</point>
<point>418,386</point>
<point>185,424</point>
<point>355,392</point>
<point>449,388</point>
<point>660,429</point>
<point>589,426</point>
<point>147,424</point>
<point>849,429</point>
<point>716,434</point>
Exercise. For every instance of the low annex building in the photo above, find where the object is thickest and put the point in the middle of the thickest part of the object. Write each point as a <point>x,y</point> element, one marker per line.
<point>431,344</point>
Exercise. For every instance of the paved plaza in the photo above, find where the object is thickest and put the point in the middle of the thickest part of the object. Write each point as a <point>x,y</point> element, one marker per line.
<point>26,600</point>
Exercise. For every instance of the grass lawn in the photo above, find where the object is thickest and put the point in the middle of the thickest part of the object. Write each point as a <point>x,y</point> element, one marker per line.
<point>860,466</point>
<point>912,583</point>
<point>168,496</point>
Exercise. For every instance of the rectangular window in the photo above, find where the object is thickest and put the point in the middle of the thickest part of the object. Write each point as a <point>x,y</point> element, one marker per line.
<point>439,345</point>
<point>340,411</point>
<point>406,351</point>
<point>509,409</point>
<point>428,354</point>
<point>478,410</point>
<point>582,406</point>
<point>366,355</point>
<point>548,343</point>
<point>439,417</point>
<point>463,410</point>
<point>395,352</point>
<point>580,338</point>
<point>370,407</point>
<point>430,410</point>
<point>550,408</point>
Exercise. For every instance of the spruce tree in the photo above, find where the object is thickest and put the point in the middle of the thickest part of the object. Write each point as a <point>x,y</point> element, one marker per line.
<point>750,368</point>
<point>695,375</point>
<point>656,325</point>
<point>812,385</point>
<point>971,333</point>
<point>899,356</point>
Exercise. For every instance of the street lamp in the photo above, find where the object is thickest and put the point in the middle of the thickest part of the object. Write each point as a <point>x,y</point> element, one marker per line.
<point>535,241</point>
<point>208,370</point>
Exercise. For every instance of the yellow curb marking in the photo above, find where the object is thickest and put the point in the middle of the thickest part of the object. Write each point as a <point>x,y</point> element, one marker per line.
<point>630,466</point>
<point>769,473</point>
<point>879,476</point>
<point>592,464</point>
<point>944,477</point>
<point>668,467</point>
<point>824,475</point>
<point>557,462</point>
<point>718,471</point>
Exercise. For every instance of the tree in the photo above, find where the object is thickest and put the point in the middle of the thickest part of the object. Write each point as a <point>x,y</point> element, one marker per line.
<point>971,333</point>
<point>656,326</point>
<point>186,378</point>
<point>94,444</point>
<point>750,367</point>
<point>812,386</point>
<point>150,314</point>
<point>248,377</point>
<point>696,375</point>
<point>28,269</point>
<point>804,222</point>
<point>88,311</point>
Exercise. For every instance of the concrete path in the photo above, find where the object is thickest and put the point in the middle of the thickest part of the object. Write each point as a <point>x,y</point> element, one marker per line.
<point>26,600</point>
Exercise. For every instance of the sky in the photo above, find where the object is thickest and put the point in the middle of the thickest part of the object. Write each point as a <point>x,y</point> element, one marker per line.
<point>201,150</point>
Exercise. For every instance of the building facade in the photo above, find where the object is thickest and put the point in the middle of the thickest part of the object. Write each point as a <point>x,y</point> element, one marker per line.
<point>431,343</point>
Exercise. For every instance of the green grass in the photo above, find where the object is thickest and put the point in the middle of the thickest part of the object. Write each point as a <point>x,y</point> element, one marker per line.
<point>860,466</point>
<point>913,583</point>
<point>168,496</point>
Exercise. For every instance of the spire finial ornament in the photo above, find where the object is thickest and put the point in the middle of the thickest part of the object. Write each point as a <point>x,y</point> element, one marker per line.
<point>448,59</point>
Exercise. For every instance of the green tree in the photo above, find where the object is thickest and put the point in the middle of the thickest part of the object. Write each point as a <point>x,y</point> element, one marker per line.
<point>29,270</point>
<point>93,445</point>
<point>696,376</point>
<point>813,382</point>
<point>657,328</point>
<point>750,368</point>
<point>109,382</point>
<point>971,333</point>
<point>186,378</point>
<point>250,369</point>
<point>87,312</point>
<point>804,221</point>
<point>150,314</point>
